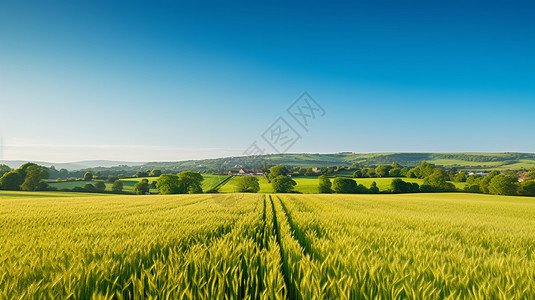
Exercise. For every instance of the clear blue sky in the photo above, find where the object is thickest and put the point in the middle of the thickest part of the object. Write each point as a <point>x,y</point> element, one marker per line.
<point>146,81</point>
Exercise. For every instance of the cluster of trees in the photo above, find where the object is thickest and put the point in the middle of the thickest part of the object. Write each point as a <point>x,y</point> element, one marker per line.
<point>343,185</point>
<point>187,182</point>
<point>102,173</point>
<point>280,181</point>
<point>248,184</point>
<point>500,184</point>
<point>28,177</point>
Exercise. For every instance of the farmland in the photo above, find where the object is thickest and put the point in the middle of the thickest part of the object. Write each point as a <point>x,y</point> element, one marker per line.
<point>208,182</point>
<point>309,185</point>
<point>426,246</point>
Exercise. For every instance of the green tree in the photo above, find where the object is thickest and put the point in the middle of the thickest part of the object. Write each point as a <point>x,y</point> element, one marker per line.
<point>503,185</point>
<point>438,180</point>
<point>88,176</point>
<point>117,186</point>
<point>343,185</point>
<point>484,182</point>
<point>142,187</point>
<point>460,177</point>
<point>141,174</point>
<point>248,184</point>
<point>100,186</point>
<point>395,172</point>
<point>34,179</point>
<point>112,178</point>
<point>399,186</point>
<point>527,188</point>
<point>88,187</point>
<point>357,174</point>
<point>283,184</point>
<point>192,181</point>
<point>382,171</point>
<point>22,169</point>
<point>373,188</point>
<point>277,171</point>
<point>11,181</point>
<point>155,173</point>
<point>325,185</point>
<point>4,169</point>
<point>170,184</point>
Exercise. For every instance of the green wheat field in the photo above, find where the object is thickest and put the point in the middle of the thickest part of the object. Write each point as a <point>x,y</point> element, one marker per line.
<point>266,246</point>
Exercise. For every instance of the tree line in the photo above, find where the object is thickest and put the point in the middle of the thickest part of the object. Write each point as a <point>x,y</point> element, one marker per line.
<point>28,177</point>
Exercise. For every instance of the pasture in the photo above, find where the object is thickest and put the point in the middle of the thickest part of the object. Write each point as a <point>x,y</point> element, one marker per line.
<point>276,246</point>
<point>128,183</point>
<point>309,185</point>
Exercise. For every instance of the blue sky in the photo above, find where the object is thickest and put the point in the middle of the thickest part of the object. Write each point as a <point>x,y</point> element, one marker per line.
<point>143,81</point>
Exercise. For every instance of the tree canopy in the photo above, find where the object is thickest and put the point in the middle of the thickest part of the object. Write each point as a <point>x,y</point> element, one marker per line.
<point>325,185</point>
<point>283,184</point>
<point>248,184</point>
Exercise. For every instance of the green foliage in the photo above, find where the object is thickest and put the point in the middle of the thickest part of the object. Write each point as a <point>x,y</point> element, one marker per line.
<point>438,181</point>
<point>400,186</point>
<point>472,188</point>
<point>4,169</point>
<point>383,171</point>
<point>527,188</point>
<point>142,187</point>
<point>141,174</point>
<point>117,186</point>
<point>155,173</point>
<point>11,181</point>
<point>373,188</point>
<point>460,177</point>
<point>503,185</point>
<point>100,186</point>
<point>343,185</point>
<point>88,176</point>
<point>170,184</point>
<point>324,185</point>
<point>112,178</point>
<point>283,184</point>
<point>484,182</point>
<point>88,187</point>
<point>192,181</point>
<point>34,179</point>
<point>394,172</point>
<point>277,171</point>
<point>248,184</point>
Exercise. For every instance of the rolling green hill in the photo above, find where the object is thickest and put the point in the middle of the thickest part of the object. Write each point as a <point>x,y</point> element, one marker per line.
<point>471,161</point>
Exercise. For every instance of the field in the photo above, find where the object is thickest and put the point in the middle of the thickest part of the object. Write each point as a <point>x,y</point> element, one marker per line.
<point>128,183</point>
<point>309,185</point>
<point>424,246</point>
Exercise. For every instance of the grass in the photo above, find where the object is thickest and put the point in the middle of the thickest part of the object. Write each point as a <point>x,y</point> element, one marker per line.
<point>276,246</point>
<point>128,183</point>
<point>309,185</point>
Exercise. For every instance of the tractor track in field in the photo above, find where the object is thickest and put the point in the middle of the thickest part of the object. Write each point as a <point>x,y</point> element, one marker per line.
<point>284,262</point>
<point>298,234</point>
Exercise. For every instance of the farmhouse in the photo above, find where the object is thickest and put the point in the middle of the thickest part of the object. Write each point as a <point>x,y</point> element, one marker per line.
<point>250,172</point>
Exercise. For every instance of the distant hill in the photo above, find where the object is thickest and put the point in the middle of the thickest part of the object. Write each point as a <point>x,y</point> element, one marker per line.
<point>467,161</point>
<point>472,161</point>
<point>78,165</point>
